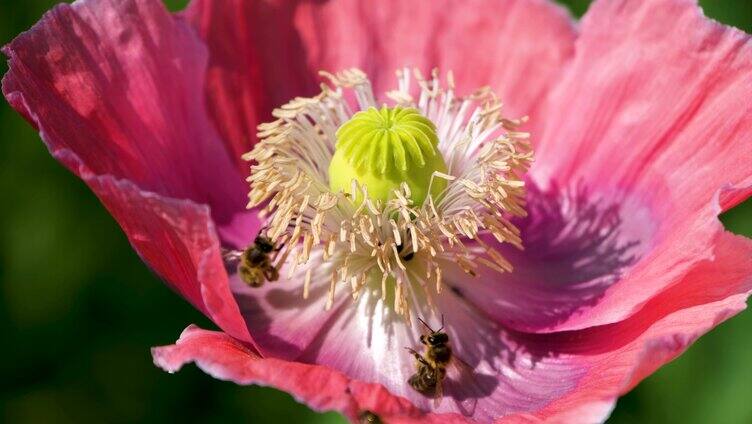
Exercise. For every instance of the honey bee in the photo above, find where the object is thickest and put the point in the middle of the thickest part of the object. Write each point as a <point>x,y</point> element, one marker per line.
<point>432,365</point>
<point>368,417</point>
<point>255,266</point>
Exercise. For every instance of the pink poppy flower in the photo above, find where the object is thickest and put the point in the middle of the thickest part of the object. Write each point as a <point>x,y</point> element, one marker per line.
<point>641,129</point>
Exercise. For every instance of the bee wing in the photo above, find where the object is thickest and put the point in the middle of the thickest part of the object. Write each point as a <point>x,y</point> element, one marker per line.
<point>460,380</point>
<point>438,394</point>
<point>231,258</point>
<point>459,370</point>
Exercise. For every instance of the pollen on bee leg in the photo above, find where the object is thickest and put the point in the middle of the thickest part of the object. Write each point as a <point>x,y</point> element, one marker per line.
<point>388,195</point>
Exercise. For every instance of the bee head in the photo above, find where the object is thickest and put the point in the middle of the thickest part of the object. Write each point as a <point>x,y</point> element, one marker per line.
<point>264,244</point>
<point>435,339</point>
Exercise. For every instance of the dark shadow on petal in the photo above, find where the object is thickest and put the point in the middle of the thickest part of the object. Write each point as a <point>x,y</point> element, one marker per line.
<point>578,237</point>
<point>576,245</point>
<point>259,325</point>
<point>466,385</point>
<point>499,367</point>
<point>278,307</point>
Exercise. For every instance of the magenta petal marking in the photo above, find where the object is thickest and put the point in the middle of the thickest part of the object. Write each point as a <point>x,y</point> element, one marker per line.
<point>661,95</point>
<point>577,244</point>
<point>624,353</point>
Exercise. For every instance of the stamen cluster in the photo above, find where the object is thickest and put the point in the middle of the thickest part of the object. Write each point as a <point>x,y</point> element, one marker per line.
<point>394,246</point>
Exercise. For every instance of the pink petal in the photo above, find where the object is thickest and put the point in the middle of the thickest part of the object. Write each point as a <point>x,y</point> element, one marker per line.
<point>114,88</point>
<point>321,388</point>
<point>655,109</point>
<point>120,85</point>
<point>516,46</point>
<point>282,322</point>
<point>601,363</point>
<point>577,245</point>
<point>177,239</point>
<point>264,53</point>
<point>256,63</point>
<point>365,341</point>
<point>624,353</point>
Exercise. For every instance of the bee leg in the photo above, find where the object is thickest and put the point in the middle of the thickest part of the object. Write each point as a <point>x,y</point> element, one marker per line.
<point>271,273</point>
<point>418,356</point>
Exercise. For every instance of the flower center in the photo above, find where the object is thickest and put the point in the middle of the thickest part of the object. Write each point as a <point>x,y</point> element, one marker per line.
<point>381,202</point>
<point>381,149</point>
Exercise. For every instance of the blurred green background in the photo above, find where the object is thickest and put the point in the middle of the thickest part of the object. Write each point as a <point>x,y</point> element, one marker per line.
<point>79,311</point>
